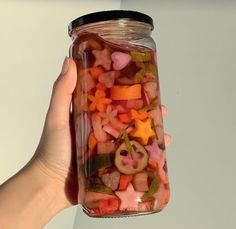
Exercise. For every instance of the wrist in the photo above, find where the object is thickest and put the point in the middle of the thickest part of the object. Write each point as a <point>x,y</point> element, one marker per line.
<point>31,198</point>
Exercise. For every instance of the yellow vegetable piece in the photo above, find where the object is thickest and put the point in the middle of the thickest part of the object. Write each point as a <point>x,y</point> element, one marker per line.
<point>143,130</point>
<point>140,56</point>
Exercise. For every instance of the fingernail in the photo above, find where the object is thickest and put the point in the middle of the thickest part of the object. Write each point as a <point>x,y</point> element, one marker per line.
<point>65,66</point>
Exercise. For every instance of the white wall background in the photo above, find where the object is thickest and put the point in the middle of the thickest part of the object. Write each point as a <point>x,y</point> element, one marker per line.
<point>33,44</point>
<point>196,55</point>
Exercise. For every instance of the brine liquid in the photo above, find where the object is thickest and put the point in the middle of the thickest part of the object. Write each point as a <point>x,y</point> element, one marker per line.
<point>119,131</point>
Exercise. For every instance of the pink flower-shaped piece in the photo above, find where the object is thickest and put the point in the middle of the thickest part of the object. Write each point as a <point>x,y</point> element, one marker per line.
<point>120,60</point>
<point>155,153</point>
<point>108,78</point>
<point>103,58</point>
<point>130,199</point>
<point>108,116</point>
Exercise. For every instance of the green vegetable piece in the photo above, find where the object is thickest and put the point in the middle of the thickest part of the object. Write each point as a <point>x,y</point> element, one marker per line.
<point>127,141</point>
<point>131,162</point>
<point>140,56</point>
<point>152,105</point>
<point>139,76</point>
<point>151,68</point>
<point>152,190</point>
<point>93,164</point>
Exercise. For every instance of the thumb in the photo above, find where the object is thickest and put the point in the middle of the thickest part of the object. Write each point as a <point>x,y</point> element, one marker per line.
<point>59,109</point>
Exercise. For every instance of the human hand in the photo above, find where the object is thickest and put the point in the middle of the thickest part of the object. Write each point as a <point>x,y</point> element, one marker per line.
<point>55,155</point>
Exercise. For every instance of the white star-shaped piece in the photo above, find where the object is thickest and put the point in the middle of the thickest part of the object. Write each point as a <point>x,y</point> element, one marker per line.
<point>130,199</point>
<point>103,58</point>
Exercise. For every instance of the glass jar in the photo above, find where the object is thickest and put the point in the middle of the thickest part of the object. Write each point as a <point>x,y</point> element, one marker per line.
<point>117,114</point>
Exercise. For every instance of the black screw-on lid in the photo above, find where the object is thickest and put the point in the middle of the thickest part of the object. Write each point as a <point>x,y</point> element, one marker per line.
<point>109,15</point>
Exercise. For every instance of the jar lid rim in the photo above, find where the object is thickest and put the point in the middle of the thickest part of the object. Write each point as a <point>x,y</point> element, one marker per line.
<point>109,15</point>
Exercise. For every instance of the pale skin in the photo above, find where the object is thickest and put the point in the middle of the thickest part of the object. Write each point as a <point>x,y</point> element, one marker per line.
<point>48,183</point>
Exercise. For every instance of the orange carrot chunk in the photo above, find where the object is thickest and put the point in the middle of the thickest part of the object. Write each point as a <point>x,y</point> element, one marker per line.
<point>126,92</point>
<point>92,141</point>
<point>95,72</point>
<point>124,182</point>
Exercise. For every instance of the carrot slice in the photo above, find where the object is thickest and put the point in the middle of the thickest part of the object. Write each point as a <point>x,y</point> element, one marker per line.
<point>101,86</point>
<point>126,92</point>
<point>125,118</point>
<point>95,72</point>
<point>124,182</point>
<point>141,115</point>
<point>92,141</point>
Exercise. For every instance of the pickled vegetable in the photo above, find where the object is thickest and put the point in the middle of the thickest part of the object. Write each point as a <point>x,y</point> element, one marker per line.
<point>122,153</point>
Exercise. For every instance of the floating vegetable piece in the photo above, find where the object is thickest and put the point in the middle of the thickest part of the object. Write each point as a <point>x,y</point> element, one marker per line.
<point>91,198</point>
<point>139,76</point>
<point>124,181</point>
<point>107,78</point>
<point>120,108</point>
<point>125,81</point>
<point>160,135</point>
<point>112,131</point>
<point>143,130</point>
<point>134,104</point>
<point>140,115</point>
<point>86,80</point>
<point>108,116</point>
<point>152,190</point>
<point>162,173</point>
<point>111,180</point>
<point>145,206</point>
<point>152,105</point>
<point>103,58</point>
<point>131,162</point>
<point>130,199</point>
<point>105,147</point>
<point>92,141</point>
<point>108,206</point>
<point>151,89</point>
<point>99,101</point>
<point>95,185</point>
<point>140,56</point>
<point>127,141</point>
<point>93,164</point>
<point>125,118</point>
<point>155,153</point>
<point>120,60</point>
<point>101,86</point>
<point>162,197</point>
<point>95,72</point>
<point>126,92</point>
<point>140,182</point>
<point>156,115</point>
<point>99,133</point>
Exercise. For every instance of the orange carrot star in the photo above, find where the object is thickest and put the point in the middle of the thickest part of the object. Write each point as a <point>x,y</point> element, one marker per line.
<point>98,101</point>
<point>143,130</point>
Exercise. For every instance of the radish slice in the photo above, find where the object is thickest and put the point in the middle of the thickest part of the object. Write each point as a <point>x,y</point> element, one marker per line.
<point>110,130</point>
<point>107,78</point>
<point>99,133</point>
<point>151,89</point>
<point>134,104</point>
<point>105,147</point>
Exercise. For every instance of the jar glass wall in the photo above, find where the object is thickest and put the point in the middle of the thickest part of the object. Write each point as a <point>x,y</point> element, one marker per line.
<point>118,122</point>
